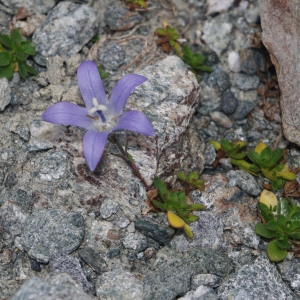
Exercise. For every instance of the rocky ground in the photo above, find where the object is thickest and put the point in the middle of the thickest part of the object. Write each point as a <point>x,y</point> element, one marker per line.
<point>69,233</point>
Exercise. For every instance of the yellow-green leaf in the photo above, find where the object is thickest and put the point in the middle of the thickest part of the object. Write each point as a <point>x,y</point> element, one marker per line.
<point>174,220</point>
<point>259,147</point>
<point>188,231</point>
<point>268,198</point>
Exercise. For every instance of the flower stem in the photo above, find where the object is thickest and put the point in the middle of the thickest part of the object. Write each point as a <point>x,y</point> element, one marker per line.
<point>129,161</point>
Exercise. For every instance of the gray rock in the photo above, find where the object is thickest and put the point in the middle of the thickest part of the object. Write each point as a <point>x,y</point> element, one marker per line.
<point>245,181</point>
<point>56,35</point>
<point>252,61</point>
<point>250,238</point>
<point>210,155</point>
<point>200,293</point>
<point>258,281</point>
<point>111,56</point>
<point>34,6</point>
<point>290,270</point>
<point>208,233</point>
<point>220,79</point>
<point>216,33</point>
<point>221,119</point>
<point>243,109</point>
<point>208,280</point>
<point>245,82</point>
<point>108,208</point>
<point>159,233</point>
<point>119,285</point>
<point>135,241</point>
<point>228,103</point>
<point>12,218</point>
<point>49,232</point>
<point>52,165</point>
<point>161,284</point>
<point>5,93</point>
<point>57,286</point>
<point>43,136</point>
<point>119,18</point>
<point>68,264</point>
<point>93,259</point>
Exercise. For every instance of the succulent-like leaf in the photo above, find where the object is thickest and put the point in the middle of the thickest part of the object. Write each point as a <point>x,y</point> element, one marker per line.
<point>188,231</point>
<point>22,69</point>
<point>5,59</point>
<point>5,40</point>
<point>174,220</point>
<point>161,31</point>
<point>7,72</point>
<point>263,231</point>
<point>31,70</point>
<point>268,198</point>
<point>274,252</point>
<point>215,144</point>
<point>283,244</point>
<point>15,36</point>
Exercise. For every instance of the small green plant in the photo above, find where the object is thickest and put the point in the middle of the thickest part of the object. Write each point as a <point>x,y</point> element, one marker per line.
<point>192,180</point>
<point>261,159</point>
<point>14,52</point>
<point>194,60</point>
<point>281,224</point>
<point>167,39</point>
<point>102,73</point>
<point>134,4</point>
<point>231,150</point>
<point>179,213</point>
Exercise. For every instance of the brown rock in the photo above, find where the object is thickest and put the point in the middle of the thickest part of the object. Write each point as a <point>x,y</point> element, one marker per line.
<point>280,21</point>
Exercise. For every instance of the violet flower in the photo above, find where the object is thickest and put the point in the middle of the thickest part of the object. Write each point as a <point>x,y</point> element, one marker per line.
<point>100,116</point>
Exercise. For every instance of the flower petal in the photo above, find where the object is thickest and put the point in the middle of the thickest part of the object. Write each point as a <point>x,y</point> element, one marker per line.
<point>93,146</point>
<point>135,120</point>
<point>90,84</point>
<point>66,113</point>
<point>121,91</point>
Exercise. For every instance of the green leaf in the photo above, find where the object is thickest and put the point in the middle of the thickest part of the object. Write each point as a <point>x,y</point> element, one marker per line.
<point>22,69</point>
<point>5,40</point>
<point>159,205</point>
<point>181,197</point>
<point>28,48</point>
<point>265,211</point>
<point>193,176</point>
<point>281,219</point>
<point>274,252</point>
<point>197,206</point>
<point>284,208</point>
<point>273,226</point>
<point>253,156</point>
<point>181,176</point>
<point>161,31</point>
<point>262,230</point>
<point>5,59</point>
<point>7,72</point>
<point>283,244</point>
<point>31,70</point>
<point>294,235</point>
<point>191,218</point>
<point>16,36</point>
<point>226,145</point>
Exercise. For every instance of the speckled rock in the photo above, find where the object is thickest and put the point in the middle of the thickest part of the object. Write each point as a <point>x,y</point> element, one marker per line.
<point>111,56</point>
<point>68,264</point>
<point>245,82</point>
<point>34,6</point>
<point>290,270</point>
<point>5,93</point>
<point>228,103</point>
<point>258,281</point>
<point>57,286</point>
<point>49,232</point>
<point>56,35</point>
<point>161,284</point>
<point>243,109</point>
<point>119,18</point>
<point>119,284</point>
<point>252,61</point>
<point>245,181</point>
<point>159,233</point>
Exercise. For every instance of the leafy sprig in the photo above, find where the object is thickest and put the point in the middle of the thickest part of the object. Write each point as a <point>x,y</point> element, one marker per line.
<point>179,213</point>
<point>281,224</point>
<point>260,160</point>
<point>14,52</point>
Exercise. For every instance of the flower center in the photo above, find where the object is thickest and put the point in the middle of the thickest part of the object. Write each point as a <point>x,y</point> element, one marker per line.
<point>104,122</point>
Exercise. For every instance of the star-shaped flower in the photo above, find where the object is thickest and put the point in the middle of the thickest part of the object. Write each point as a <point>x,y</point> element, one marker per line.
<point>100,116</point>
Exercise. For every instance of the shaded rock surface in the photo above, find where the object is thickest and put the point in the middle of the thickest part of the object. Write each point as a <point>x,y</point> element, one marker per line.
<point>281,37</point>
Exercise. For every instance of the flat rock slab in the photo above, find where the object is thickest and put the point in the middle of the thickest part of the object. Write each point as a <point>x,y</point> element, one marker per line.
<point>280,22</point>
<point>49,232</point>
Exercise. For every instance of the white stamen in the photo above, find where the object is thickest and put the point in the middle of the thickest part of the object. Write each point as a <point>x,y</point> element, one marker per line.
<point>96,107</point>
